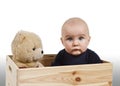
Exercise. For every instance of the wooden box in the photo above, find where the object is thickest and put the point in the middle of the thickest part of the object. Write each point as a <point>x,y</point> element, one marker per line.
<point>74,75</point>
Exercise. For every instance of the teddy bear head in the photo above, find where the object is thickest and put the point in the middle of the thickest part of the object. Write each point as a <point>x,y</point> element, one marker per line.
<point>27,47</point>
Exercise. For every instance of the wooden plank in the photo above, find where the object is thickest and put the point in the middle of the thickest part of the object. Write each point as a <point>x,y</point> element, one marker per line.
<point>47,59</point>
<point>66,75</point>
<point>74,75</point>
<point>11,72</point>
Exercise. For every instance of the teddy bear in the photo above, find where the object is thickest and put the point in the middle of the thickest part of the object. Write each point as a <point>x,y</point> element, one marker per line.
<point>27,50</point>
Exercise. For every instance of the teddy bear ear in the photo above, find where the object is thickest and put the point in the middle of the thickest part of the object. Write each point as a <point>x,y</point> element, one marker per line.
<point>21,36</point>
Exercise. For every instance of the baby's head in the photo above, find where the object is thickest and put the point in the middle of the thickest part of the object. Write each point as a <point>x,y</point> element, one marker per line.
<point>75,36</point>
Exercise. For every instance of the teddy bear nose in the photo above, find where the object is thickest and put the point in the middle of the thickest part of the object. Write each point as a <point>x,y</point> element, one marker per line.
<point>42,52</point>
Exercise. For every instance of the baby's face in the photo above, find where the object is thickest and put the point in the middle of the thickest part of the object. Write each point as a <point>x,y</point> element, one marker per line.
<point>75,38</point>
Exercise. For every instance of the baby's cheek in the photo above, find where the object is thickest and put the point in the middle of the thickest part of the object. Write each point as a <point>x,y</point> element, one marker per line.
<point>84,49</point>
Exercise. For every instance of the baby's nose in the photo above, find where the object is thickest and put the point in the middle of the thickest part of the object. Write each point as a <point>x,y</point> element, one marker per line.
<point>75,43</point>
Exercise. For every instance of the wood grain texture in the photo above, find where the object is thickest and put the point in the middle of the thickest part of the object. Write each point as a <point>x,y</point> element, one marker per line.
<point>74,75</point>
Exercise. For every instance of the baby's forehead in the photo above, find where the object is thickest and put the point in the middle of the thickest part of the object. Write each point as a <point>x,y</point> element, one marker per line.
<point>74,21</point>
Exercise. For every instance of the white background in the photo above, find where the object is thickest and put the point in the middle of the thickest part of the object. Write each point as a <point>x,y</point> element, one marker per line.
<point>45,18</point>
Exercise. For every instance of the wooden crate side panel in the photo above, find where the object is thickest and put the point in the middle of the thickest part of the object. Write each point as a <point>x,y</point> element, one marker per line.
<point>48,59</point>
<point>11,72</point>
<point>98,84</point>
<point>79,75</point>
<point>63,84</point>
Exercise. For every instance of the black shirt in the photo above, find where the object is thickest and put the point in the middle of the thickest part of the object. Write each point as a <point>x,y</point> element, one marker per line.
<point>64,58</point>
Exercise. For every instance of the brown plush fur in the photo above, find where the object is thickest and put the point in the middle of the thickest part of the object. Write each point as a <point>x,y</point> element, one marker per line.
<point>27,49</point>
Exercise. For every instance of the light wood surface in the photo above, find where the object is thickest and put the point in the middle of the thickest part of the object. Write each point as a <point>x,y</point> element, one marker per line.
<point>74,75</point>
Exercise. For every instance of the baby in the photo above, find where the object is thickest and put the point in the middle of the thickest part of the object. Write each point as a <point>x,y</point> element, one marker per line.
<point>75,38</point>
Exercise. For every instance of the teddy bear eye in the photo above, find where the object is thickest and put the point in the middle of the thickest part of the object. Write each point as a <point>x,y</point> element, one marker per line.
<point>34,48</point>
<point>42,52</point>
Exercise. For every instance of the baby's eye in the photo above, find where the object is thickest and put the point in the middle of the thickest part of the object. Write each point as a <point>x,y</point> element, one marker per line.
<point>70,39</point>
<point>34,49</point>
<point>81,38</point>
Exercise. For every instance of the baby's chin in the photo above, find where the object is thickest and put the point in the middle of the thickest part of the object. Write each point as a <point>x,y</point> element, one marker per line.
<point>76,53</point>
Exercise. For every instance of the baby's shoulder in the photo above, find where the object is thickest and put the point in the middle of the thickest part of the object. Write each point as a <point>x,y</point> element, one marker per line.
<point>91,51</point>
<point>92,54</point>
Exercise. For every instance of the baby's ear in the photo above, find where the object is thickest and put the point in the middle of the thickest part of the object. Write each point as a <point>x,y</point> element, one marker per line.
<point>61,40</point>
<point>89,38</point>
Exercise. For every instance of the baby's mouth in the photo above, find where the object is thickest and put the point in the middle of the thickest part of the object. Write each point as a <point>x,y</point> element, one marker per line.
<point>76,50</point>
